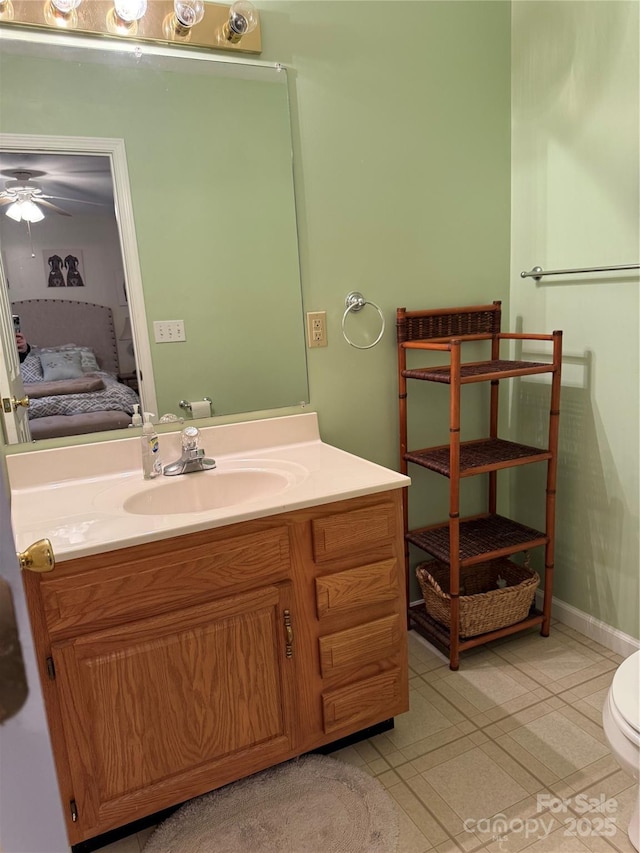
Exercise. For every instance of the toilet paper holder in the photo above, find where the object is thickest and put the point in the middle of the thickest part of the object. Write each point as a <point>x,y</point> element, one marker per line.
<point>186,404</point>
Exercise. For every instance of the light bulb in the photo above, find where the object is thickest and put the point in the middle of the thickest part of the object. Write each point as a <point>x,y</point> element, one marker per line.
<point>130,10</point>
<point>243,19</point>
<point>65,6</point>
<point>188,12</point>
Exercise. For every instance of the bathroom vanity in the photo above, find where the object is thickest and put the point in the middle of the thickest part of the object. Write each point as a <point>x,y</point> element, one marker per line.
<point>180,651</point>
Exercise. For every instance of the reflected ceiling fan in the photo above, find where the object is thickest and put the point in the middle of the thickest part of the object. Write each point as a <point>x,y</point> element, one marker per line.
<point>27,198</point>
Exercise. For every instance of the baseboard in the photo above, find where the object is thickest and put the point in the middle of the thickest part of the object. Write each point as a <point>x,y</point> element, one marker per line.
<point>595,629</point>
<point>609,637</point>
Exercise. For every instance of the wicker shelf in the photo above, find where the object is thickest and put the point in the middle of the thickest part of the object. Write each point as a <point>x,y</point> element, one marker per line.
<point>472,544</point>
<point>478,457</point>
<point>481,539</point>
<point>440,637</point>
<point>482,371</point>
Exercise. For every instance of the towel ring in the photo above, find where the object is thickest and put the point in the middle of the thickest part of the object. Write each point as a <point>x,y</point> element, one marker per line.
<point>355,301</point>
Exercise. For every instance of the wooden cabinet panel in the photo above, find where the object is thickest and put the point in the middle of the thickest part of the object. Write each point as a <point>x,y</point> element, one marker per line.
<point>355,647</point>
<point>172,676</point>
<point>172,697</point>
<point>357,588</point>
<point>146,586</point>
<point>349,532</point>
<point>364,702</point>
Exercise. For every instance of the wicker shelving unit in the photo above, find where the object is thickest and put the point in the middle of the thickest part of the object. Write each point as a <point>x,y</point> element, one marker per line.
<point>461,543</point>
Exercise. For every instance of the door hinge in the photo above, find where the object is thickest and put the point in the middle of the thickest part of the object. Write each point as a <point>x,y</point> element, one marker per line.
<point>73,808</point>
<point>51,669</point>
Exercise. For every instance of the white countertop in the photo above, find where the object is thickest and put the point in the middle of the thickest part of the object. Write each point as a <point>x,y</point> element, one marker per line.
<point>74,495</point>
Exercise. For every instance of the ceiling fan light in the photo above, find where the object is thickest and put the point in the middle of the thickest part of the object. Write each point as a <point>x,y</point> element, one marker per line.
<point>14,212</point>
<point>26,210</point>
<point>31,212</point>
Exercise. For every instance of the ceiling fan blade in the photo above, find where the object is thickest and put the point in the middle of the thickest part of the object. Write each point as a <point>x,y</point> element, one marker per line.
<point>49,206</point>
<point>74,200</point>
<point>5,200</point>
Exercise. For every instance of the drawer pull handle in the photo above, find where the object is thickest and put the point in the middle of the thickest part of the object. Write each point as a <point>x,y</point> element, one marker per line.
<point>289,632</point>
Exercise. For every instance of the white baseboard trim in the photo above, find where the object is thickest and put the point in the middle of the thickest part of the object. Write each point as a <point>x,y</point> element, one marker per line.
<point>609,637</point>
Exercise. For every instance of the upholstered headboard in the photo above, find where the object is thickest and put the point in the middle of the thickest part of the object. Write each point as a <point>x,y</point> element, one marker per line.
<point>54,322</point>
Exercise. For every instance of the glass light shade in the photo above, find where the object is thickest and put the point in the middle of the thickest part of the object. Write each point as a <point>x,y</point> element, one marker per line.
<point>243,18</point>
<point>130,10</point>
<point>65,6</point>
<point>26,210</point>
<point>188,12</point>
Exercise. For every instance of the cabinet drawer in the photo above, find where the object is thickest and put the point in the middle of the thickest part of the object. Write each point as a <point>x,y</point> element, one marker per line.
<point>355,647</point>
<point>151,585</point>
<point>364,702</point>
<point>356,588</point>
<point>350,532</point>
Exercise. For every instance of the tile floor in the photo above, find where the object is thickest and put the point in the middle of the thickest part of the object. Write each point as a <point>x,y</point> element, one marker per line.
<point>504,755</point>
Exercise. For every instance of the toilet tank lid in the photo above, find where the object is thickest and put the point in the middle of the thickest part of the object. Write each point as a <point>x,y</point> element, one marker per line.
<point>626,690</point>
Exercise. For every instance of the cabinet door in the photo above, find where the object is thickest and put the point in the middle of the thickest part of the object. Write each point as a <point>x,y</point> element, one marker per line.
<point>165,708</point>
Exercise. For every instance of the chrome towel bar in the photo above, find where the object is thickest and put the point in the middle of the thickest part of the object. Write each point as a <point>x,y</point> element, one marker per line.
<point>538,272</point>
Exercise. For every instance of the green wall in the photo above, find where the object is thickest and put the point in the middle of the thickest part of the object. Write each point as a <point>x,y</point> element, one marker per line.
<point>402,154</point>
<point>576,203</point>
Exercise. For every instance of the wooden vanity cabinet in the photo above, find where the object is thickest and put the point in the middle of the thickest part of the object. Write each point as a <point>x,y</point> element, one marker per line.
<point>175,667</point>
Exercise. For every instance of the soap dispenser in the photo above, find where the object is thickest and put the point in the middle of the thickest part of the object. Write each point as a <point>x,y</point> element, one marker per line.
<point>151,464</point>
<point>136,418</point>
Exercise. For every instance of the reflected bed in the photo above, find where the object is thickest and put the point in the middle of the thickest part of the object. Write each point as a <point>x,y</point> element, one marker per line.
<point>71,373</point>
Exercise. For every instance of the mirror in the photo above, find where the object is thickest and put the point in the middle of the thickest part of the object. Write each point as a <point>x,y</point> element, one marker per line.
<point>209,165</point>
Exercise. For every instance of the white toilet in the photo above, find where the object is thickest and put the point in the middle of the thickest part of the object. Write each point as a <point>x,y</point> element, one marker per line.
<point>621,722</point>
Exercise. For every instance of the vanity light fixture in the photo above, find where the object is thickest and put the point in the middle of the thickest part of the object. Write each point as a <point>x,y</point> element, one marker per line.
<point>193,22</point>
<point>123,18</point>
<point>61,13</point>
<point>243,20</point>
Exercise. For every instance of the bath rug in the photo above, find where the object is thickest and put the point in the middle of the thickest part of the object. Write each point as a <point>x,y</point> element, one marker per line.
<point>313,804</point>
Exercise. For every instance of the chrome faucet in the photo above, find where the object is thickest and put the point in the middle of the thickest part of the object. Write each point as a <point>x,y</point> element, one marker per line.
<point>192,458</point>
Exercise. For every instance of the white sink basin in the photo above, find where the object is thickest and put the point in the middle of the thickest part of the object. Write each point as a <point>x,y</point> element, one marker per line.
<point>204,491</point>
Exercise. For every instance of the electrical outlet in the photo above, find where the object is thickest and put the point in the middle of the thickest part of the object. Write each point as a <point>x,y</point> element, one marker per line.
<point>317,328</point>
<point>168,331</point>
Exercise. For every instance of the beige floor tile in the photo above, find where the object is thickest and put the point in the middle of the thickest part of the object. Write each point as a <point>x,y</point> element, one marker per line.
<point>559,744</point>
<point>426,745</point>
<point>593,728</point>
<point>416,810</point>
<point>555,842</point>
<point>410,838</point>
<point>483,684</point>
<point>592,773</point>
<point>474,786</point>
<point>444,754</point>
<point>419,722</point>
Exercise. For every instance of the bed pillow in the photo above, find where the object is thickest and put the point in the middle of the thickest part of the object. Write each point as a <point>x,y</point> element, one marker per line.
<point>87,356</point>
<point>31,368</point>
<point>66,364</point>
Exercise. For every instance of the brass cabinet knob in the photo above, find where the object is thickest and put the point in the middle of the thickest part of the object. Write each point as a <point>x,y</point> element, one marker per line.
<point>38,557</point>
<point>23,401</point>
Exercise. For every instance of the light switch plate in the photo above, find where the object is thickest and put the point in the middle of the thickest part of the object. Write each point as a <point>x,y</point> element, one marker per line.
<point>168,331</point>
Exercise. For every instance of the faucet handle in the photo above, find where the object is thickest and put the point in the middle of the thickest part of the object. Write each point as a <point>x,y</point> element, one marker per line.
<point>190,437</point>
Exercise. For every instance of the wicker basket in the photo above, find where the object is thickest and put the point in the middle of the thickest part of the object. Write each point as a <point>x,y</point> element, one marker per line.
<point>484,606</point>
